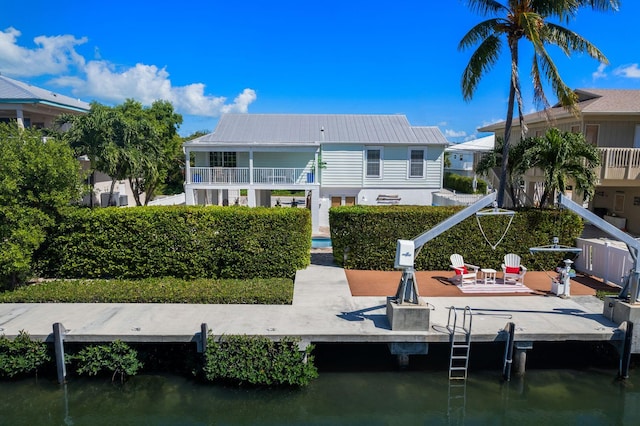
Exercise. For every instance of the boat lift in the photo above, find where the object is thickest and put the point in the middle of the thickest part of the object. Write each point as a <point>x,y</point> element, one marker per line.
<point>407,250</point>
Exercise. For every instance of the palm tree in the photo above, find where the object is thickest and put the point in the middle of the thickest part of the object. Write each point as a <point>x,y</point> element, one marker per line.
<point>528,19</point>
<point>564,157</point>
<point>518,165</point>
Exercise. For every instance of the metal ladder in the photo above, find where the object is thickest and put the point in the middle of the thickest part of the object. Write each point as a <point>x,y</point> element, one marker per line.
<point>459,358</point>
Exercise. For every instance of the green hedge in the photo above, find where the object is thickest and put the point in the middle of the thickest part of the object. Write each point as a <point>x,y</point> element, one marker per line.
<point>266,291</point>
<point>364,237</point>
<point>463,184</point>
<point>21,355</point>
<point>178,241</point>
<point>258,360</point>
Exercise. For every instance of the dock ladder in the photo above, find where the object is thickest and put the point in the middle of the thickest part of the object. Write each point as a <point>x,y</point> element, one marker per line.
<point>460,337</point>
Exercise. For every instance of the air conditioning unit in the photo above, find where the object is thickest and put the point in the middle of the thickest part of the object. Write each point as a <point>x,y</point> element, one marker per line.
<point>123,200</point>
<point>104,199</point>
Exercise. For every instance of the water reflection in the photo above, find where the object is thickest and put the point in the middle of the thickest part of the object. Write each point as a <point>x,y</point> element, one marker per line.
<point>375,398</point>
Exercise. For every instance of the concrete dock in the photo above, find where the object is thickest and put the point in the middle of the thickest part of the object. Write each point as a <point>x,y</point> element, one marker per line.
<point>323,311</point>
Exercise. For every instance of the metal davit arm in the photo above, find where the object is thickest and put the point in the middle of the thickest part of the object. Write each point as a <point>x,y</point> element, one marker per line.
<point>408,249</point>
<point>633,244</point>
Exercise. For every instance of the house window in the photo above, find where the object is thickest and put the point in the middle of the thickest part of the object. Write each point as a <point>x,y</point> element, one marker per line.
<point>416,163</point>
<point>591,133</point>
<point>374,159</point>
<point>575,128</point>
<point>222,159</point>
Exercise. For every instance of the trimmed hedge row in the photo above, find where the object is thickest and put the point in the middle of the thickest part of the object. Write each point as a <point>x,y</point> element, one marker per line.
<point>265,291</point>
<point>463,184</point>
<point>365,237</point>
<point>178,241</point>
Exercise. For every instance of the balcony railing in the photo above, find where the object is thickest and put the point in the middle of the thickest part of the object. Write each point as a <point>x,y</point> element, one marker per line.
<point>619,163</point>
<point>261,175</point>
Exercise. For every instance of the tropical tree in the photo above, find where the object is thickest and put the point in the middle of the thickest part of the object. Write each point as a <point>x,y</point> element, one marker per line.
<point>564,157</point>
<point>518,165</point>
<point>529,20</point>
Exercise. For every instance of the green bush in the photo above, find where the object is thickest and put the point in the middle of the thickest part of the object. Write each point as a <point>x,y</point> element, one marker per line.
<point>115,358</point>
<point>365,237</point>
<point>22,231</point>
<point>258,360</point>
<point>268,291</point>
<point>464,184</point>
<point>179,241</point>
<point>21,355</point>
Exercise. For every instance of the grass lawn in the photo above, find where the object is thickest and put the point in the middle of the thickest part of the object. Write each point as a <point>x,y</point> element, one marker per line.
<point>272,291</point>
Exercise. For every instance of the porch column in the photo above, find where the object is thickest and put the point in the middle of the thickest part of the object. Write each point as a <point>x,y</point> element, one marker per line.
<point>20,118</point>
<point>315,210</point>
<point>251,170</point>
<point>187,166</point>
<point>251,197</point>
<point>189,198</point>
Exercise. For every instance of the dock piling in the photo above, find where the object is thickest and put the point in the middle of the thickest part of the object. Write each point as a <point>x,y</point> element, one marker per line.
<point>58,340</point>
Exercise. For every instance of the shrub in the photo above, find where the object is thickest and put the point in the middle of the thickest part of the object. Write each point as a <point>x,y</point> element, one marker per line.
<point>365,237</point>
<point>464,184</point>
<point>267,291</point>
<point>258,360</point>
<point>21,355</point>
<point>179,241</point>
<point>114,358</point>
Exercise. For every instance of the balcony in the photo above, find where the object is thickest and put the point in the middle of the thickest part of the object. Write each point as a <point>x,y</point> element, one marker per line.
<point>276,176</point>
<point>619,163</point>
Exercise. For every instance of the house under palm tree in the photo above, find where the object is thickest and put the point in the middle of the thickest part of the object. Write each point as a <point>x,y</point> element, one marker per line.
<point>610,121</point>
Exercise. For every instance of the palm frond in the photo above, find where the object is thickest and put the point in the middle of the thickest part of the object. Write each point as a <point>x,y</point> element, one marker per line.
<point>480,32</point>
<point>485,56</point>
<point>486,7</point>
<point>570,41</point>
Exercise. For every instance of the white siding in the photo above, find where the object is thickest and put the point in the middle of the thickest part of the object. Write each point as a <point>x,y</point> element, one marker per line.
<point>282,159</point>
<point>343,165</point>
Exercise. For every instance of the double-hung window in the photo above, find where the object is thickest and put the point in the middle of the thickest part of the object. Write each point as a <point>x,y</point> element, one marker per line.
<point>223,159</point>
<point>374,162</point>
<point>416,163</point>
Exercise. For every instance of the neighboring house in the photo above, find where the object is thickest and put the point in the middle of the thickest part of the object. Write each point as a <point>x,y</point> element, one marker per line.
<point>610,120</point>
<point>34,107</point>
<point>464,156</point>
<point>336,159</point>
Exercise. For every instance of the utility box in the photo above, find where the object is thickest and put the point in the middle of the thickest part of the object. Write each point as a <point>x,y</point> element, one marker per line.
<point>405,252</point>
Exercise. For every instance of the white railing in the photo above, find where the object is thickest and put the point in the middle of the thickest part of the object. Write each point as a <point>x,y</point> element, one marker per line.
<point>228,175</point>
<point>453,199</point>
<point>619,163</point>
<point>278,176</point>
<point>261,175</point>
<point>606,259</point>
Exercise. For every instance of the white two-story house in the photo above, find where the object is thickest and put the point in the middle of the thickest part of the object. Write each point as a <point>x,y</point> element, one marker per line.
<point>610,120</point>
<point>336,159</point>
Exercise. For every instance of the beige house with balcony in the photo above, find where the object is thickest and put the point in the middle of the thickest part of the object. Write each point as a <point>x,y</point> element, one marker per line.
<point>336,159</point>
<point>610,120</point>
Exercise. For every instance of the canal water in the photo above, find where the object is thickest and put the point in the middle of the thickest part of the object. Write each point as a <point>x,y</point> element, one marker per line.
<point>542,397</point>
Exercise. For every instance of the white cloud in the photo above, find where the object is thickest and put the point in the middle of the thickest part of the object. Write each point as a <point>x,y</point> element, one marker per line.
<point>101,80</point>
<point>52,55</point>
<point>599,73</point>
<point>628,71</point>
<point>455,134</point>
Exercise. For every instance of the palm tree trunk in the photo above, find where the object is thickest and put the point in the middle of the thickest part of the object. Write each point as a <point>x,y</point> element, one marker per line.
<point>513,47</point>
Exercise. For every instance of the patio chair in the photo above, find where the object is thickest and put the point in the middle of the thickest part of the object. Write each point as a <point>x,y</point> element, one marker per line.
<point>512,271</point>
<point>466,273</point>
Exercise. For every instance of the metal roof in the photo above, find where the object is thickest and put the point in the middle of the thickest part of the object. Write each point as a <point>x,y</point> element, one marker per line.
<point>313,129</point>
<point>14,91</point>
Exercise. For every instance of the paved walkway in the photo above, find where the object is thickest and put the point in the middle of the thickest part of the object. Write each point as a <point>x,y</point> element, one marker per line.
<point>323,310</point>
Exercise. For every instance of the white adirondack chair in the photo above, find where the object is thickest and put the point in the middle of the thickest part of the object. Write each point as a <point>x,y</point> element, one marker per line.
<point>512,271</point>
<point>466,273</point>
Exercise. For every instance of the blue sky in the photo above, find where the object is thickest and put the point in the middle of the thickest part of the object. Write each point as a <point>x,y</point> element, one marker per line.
<point>284,56</point>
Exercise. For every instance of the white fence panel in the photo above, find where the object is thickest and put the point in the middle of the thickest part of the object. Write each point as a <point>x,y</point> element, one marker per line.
<point>608,260</point>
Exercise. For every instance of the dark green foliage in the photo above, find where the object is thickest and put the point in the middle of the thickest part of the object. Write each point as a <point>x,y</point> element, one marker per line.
<point>179,241</point>
<point>464,184</point>
<point>114,358</point>
<point>258,360</point>
<point>268,291</point>
<point>364,237</point>
<point>22,230</point>
<point>21,355</point>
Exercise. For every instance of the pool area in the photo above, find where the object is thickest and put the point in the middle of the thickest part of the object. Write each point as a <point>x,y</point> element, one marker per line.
<point>320,242</point>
